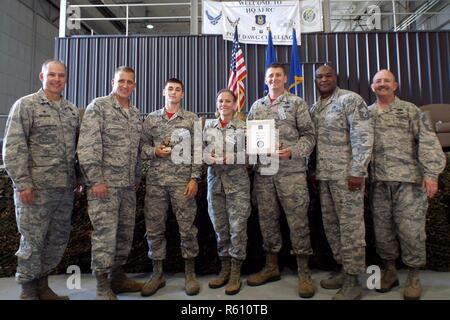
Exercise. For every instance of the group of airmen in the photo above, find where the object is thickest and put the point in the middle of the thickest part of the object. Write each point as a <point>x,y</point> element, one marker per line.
<point>50,155</point>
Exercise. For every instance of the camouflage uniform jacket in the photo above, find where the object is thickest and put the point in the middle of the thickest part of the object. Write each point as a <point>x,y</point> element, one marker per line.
<point>157,129</point>
<point>344,136</point>
<point>294,125</point>
<point>40,143</point>
<point>109,143</point>
<point>406,148</point>
<point>233,138</point>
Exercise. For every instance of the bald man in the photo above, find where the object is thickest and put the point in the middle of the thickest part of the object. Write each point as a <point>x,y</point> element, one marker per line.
<point>344,147</point>
<point>407,159</point>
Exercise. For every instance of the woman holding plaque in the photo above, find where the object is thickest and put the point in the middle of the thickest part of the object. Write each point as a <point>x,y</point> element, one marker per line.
<point>228,190</point>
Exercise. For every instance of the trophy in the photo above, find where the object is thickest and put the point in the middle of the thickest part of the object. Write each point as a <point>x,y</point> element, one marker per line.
<point>167,145</point>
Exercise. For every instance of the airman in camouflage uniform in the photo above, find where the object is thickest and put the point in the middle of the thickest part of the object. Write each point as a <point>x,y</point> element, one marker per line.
<point>407,159</point>
<point>109,156</point>
<point>164,131</point>
<point>344,148</point>
<point>228,190</point>
<point>39,156</point>
<point>288,186</point>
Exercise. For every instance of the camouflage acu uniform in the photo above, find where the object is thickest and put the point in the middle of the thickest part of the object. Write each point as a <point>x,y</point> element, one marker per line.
<point>109,153</point>
<point>166,182</point>
<point>288,185</point>
<point>344,147</point>
<point>229,191</point>
<point>39,153</point>
<point>406,150</point>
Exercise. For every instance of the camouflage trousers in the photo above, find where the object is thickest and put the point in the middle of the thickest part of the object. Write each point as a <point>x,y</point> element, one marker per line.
<point>112,220</point>
<point>399,211</point>
<point>44,227</point>
<point>343,221</point>
<point>291,192</point>
<point>157,199</point>
<point>229,209</point>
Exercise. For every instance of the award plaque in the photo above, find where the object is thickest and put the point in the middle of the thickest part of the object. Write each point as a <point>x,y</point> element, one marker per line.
<point>261,137</point>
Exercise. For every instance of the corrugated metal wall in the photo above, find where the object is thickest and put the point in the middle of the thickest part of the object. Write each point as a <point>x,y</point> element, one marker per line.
<point>419,59</point>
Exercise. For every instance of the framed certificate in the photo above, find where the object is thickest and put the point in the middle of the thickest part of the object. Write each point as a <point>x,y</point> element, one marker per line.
<point>261,137</point>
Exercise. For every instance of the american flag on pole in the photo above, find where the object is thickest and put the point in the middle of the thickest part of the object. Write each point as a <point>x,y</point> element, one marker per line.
<point>238,72</point>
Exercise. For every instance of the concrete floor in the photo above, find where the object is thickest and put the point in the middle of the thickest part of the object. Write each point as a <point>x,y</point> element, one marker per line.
<point>436,286</point>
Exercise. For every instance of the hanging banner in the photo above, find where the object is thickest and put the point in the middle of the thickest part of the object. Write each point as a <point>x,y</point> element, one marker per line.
<point>311,16</point>
<point>212,17</point>
<point>254,18</point>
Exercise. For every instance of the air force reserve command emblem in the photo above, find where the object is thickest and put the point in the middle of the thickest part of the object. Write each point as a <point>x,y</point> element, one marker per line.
<point>260,19</point>
<point>213,20</point>
<point>309,15</point>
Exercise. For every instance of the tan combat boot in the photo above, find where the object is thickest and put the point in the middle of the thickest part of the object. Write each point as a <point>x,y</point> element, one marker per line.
<point>234,284</point>
<point>269,273</point>
<point>156,281</point>
<point>413,288</point>
<point>104,291</point>
<point>29,290</point>
<point>335,281</point>
<point>305,283</point>
<point>389,278</point>
<point>192,287</point>
<point>121,283</point>
<point>351,289</point>
<point>224,274</point>
<point>44,291</point>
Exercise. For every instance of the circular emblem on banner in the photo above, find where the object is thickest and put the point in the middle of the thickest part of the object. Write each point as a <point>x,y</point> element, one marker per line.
<point>309,15</point>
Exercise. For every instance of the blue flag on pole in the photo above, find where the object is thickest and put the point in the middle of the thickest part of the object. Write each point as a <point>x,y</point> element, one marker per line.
<point>271,57</point>
<point>295,72</point>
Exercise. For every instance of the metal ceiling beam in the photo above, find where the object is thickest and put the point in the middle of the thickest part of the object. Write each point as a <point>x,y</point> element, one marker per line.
<point>405,23</point>
<point>107,13</point>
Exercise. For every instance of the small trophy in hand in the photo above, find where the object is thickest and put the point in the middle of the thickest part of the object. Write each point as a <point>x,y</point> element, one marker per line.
<point>167,145</point>
<point>280,147</point>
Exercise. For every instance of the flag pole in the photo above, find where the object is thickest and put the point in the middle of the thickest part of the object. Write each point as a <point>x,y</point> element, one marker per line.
<point>238,98</point>
<point>295,82</point>
<point>238,91</point>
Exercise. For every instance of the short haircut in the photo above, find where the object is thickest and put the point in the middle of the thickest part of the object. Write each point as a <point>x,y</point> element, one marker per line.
<point>175,80</point>
<point>47,62</point>
<point>125,69</point>
<point>226,91</point>
<point>277,65</point>
<point>329,66</point>
<point>387,70</point>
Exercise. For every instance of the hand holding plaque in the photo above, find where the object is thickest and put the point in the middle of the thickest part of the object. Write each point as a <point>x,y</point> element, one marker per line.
<point>214,158</point>
<point>261,137</point>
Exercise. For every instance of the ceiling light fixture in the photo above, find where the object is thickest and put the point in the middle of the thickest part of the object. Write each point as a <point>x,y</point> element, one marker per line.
<point>150,26</point>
